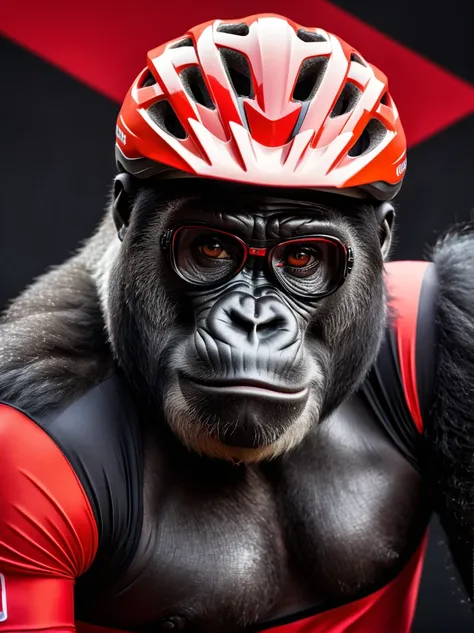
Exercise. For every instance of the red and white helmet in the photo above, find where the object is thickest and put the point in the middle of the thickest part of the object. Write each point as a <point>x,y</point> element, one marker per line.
<point>263,101</point>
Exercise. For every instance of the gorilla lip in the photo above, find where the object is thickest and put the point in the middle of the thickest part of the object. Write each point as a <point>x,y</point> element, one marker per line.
<point>250,387</point>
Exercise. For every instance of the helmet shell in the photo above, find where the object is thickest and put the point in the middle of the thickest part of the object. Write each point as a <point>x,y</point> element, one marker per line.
<point>263,101</point>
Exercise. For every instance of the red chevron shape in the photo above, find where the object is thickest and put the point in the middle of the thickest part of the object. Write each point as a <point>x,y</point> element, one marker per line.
<point>103,44</point>
<point>273,132</point>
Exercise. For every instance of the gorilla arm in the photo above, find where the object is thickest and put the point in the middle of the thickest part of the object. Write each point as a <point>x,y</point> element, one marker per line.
<point>48,534</point>
<point>450,429</point>
<point>52,347</point>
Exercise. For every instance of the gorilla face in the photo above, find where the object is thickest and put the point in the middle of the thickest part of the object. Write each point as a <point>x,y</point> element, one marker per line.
<point>245,316</point>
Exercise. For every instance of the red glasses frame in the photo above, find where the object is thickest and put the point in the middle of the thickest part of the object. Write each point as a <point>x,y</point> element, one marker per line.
<point>168,241</point>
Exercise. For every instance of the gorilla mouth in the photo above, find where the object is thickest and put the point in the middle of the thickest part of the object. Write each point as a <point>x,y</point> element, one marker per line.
<point>243,412</point>
<point>250,387</point>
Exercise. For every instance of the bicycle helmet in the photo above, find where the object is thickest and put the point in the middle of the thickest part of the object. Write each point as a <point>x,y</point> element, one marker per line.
<point>263,101</point>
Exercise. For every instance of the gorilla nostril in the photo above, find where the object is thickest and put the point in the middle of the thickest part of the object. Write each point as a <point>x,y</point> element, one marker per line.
<point>241,320</point>
<point>269,327</point>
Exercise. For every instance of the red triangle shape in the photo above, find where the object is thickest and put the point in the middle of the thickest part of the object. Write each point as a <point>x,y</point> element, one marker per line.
<point>271,132</point>
<point>104,45</point>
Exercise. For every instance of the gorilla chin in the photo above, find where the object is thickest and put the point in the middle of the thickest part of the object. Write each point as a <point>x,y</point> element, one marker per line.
<point>240,420</point>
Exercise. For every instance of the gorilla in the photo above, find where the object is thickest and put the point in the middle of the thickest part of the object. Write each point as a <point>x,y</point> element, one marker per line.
<point>227,412</point>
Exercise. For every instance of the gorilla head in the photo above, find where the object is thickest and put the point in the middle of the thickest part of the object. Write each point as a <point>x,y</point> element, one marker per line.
<point>244,314</point>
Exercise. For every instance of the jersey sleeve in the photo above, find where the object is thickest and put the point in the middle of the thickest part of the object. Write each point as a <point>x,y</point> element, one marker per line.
<point>411,287</point>
<point>399,387</point>
<point>48,533</point>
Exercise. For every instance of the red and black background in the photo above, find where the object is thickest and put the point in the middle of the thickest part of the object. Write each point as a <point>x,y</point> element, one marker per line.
<point>65,66</point>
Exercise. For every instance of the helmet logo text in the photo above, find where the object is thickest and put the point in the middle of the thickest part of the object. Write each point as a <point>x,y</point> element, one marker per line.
<point>120,135</point>
<point>402,167</point>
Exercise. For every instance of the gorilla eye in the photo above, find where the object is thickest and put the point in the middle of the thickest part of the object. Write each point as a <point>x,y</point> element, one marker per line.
<point>206,256</point>
<point>300,257</point>
<point>311,266</point>
<point>214,250</point>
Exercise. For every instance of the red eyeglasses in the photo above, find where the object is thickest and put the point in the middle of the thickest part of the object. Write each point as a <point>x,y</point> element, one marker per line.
<point>312,266</point>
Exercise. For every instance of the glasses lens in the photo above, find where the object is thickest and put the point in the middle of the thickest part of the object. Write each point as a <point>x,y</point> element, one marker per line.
<point>206,256</point>
<point>312,266</point>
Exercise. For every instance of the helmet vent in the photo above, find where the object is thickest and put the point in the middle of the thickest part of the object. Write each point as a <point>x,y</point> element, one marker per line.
<point>238,71</point>
<point>347,100</point>
<point>194,84</point>
<point>385,100</point>
<point>163,114</point>
<point>149,80</point>
<point>372,136</point>
<point>308,36</point>
<point>309,78</point>
<point>358,60</point>
<point>186,42</point>
<point>234,29</point>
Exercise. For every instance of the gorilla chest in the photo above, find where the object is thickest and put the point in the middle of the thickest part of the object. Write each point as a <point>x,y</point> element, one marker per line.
<point>223,547</point>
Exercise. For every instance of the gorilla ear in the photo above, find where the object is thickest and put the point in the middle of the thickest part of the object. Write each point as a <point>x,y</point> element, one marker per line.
<point>385,215</point>
<point>122,204</point>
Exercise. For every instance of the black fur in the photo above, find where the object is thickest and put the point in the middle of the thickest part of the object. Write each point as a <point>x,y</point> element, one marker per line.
<point>450,429</point>
<point>53,344</point>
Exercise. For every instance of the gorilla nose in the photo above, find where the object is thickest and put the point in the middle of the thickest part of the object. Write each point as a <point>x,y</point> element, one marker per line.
<point>240,317</point>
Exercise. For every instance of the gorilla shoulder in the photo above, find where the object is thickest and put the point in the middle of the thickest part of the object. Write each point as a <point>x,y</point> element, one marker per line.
<point>450,431</point>
<point>53,343</point>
